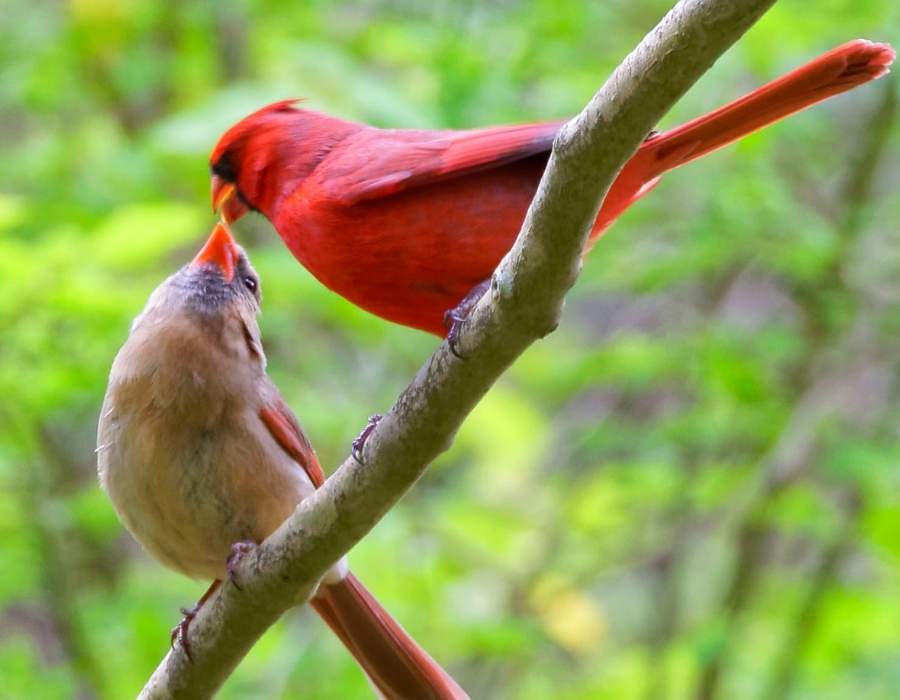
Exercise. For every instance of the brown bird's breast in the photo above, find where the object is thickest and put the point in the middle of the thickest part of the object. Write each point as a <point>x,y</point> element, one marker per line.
<point>186,461</point>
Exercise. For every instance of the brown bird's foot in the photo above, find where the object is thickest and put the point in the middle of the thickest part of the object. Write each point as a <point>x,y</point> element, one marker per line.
<point>455,317</point>
<point>238,551</point>
<point>359,441</point>
<point>180,631</point>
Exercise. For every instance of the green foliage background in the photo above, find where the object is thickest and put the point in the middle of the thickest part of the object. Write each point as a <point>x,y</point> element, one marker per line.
<point>689,490</point>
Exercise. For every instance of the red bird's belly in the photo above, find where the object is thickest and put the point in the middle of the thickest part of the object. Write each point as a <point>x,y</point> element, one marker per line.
<point>412,256</point>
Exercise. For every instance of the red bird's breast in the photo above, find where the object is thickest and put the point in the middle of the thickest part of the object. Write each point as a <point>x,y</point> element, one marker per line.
<point>411,256</point>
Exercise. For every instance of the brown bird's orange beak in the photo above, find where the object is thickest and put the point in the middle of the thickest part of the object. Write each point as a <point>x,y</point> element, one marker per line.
<point>221,251</point>
<point>225,201</point>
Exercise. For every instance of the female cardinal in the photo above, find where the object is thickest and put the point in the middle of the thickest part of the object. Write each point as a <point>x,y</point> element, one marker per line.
<point>198,451</point>
<point>407,223</point>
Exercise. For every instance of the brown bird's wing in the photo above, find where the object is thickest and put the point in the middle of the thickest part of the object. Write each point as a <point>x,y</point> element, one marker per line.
<point>287,432</point>
<point>374,163</point>
<point>392,659</point>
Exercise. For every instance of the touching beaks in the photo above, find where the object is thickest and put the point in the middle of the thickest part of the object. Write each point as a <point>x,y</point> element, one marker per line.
<point>221,192</point>
<point>225,200</point>
<point>220,250</point>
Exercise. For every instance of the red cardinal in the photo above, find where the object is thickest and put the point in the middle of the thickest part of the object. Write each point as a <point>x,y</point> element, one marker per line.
<point>406,223</point>
<point>202,458</point>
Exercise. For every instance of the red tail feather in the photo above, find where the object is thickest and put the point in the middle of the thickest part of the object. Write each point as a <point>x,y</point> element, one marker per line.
<point>837,71</point>
<point>396,665</point>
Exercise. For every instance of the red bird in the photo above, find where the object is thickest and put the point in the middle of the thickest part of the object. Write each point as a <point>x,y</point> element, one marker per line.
<point>202,458</point>
<point>407,223</point>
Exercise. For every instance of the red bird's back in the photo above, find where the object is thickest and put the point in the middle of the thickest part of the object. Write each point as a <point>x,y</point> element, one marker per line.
<point>405,223</point>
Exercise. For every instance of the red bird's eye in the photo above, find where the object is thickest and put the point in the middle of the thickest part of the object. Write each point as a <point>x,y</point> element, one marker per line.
<point>251,283</point>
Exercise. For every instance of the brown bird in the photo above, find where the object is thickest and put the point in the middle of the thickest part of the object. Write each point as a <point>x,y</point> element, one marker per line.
<point>202,458</point>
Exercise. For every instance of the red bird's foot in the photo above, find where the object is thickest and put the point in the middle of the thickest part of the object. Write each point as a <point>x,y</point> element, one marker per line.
<point>238,551</point>
<point>455,317</point>
<point>359,441</point>
<point>180,631</point>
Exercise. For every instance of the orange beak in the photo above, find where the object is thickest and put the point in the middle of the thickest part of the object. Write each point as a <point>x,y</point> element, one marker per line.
<point>225,201</point>
<point>220,250</point>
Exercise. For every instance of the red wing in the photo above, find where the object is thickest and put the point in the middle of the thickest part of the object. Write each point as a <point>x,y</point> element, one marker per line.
<point>375,163</point>
<point>287,433</point>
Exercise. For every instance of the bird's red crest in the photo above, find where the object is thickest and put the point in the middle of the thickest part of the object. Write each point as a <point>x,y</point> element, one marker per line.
<point>237,132</point>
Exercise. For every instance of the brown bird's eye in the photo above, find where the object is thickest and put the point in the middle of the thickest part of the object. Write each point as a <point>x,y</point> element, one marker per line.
<point>251,283</point>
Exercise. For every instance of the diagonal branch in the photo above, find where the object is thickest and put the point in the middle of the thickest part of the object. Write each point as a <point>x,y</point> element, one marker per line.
<point>524,304</point>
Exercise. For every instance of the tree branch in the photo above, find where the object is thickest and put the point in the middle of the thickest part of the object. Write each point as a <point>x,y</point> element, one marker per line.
<point>524,304</point>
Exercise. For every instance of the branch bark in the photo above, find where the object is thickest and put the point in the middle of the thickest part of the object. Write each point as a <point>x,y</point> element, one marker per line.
<point>524,303</point>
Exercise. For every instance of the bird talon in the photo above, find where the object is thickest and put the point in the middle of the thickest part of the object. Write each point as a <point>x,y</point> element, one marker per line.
<point>455,318</point>
<point>238,551</point>
<point>456,322</point>
<point>356,447</point>
<point>179,632</point>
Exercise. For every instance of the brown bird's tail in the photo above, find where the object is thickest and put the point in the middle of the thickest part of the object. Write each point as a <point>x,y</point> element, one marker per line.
<point>398,667</point>
<point>841,69</point>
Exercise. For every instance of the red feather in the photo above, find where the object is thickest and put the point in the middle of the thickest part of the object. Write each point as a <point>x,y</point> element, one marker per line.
<point>406,159</point>
<point>287,432</point>
<point>393,661</point>
<point>405,223</point>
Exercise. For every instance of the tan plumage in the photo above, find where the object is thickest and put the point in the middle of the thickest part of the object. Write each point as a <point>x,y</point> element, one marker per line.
<point>198,451</point>
<point>184,498</point>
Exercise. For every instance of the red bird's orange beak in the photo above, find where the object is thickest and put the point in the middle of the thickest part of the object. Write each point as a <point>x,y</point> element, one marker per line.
<point>221,251</point>
<point>225,201</point>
